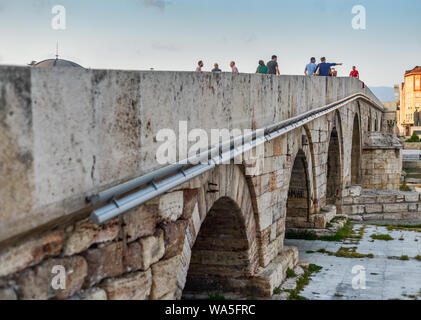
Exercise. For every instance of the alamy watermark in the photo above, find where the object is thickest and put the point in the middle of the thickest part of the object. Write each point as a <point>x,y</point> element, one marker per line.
<point>359,21</point>
<point>194,146</point>
<point>58,282</point>
<point>359,280</point>
<point>59,19</point>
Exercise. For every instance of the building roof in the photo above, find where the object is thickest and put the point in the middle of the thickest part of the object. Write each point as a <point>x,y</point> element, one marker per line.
<point>416,70</point>
<point>56,63</point>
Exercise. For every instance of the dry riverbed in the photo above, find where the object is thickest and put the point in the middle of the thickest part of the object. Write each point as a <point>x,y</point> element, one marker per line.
<point>389,259</point>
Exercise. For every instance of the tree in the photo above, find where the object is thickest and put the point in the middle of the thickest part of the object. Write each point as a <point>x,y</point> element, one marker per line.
<point>414,138</point>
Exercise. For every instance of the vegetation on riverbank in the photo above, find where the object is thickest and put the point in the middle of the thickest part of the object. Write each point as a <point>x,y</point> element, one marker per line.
<point>384,237</point>
<point>346,232</point>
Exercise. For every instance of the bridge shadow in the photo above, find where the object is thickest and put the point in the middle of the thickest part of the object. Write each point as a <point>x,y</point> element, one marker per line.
<point>221,254</point>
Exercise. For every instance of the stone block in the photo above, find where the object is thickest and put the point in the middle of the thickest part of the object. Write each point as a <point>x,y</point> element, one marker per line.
<point>354,191</point>
<point>30,252</point>
<point>267,279</point>
<point>391,198</point>
<point>330,212</point>
<point>87,233</point>
<point>135,286</point>
<point>170,206</point>
<point>319,221</point>
<point>81,238</point>
<point>269,251</point>
<point>133,257</point>
<point>353,209</point>
<point>273,232</point>
<point>140,222</point>
<point>174,236</point>
<point>392,216</point>
<point>104,263</point>
<point>265,219</point>
<point>95,294</point>
<point>364,199</point>
<point>108,231</point>
<point>395,207</point>
<point>7,294</point>
<point>373,208</point>
<point>164,277</point>
<point>355,218</point>
<point>270,277</point>
<point>411,216</point>
<point>412,207</point>
<point>412,197</point>
<point>153,249</point>
<point>37,283</point>
<point>189,202</point>
<point>371,217</point>
<point>267,200</point>
<point>280,227</point>
<point>348,200</point>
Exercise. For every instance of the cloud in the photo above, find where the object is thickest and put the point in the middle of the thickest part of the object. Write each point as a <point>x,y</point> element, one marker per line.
<point>164,46</point>
<point>41,4</point>
<point>159,4</point>
<point>250,38</point>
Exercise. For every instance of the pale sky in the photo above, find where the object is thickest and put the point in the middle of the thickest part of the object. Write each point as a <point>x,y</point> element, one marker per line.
<point>175,34</point>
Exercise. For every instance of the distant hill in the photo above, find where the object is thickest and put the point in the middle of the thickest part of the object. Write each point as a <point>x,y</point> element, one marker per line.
<point>385,94</point>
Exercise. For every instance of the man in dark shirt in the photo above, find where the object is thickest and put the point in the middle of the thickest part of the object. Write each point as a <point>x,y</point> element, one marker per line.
<point>324,67</point>
<point>273,66</point>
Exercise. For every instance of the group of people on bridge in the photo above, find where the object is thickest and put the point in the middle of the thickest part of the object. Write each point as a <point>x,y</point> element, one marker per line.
<point>323,69</point>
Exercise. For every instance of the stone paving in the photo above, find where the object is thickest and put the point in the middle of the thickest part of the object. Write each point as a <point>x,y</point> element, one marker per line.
<point>386,278</point>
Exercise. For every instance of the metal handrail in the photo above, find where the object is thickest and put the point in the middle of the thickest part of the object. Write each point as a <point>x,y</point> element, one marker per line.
<point>160,181</point>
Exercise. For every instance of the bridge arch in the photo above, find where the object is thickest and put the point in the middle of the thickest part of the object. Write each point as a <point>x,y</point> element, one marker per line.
<point>356,151</point>
<point>312,166</point>
<point>334,181</point>
<point>224,247</point>
<point>299,202</point>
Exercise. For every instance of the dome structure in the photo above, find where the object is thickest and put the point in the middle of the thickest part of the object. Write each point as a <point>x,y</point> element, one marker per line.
<point>56,63</point>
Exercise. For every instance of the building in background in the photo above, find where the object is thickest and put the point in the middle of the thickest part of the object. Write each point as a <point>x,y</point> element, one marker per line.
<point>410,103</point>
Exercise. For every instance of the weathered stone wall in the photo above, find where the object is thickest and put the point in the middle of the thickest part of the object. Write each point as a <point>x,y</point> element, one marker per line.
<point>85,130</point>
<point>369,205</point>
<point>68,133</point>
<point>151,252</point>
<point>148,253</point>
<point>382,162</point>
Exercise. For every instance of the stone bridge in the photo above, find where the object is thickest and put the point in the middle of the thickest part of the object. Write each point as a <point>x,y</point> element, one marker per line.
<point>68,134</point>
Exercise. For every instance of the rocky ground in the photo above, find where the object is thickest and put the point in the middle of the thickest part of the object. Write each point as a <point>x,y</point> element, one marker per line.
<point>390,260</point>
